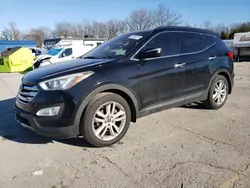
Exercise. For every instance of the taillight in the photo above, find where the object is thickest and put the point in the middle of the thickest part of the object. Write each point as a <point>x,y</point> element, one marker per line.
<point>231,55</point>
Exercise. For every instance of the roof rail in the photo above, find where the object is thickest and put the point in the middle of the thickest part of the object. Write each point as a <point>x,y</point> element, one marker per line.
<point>186,28</point>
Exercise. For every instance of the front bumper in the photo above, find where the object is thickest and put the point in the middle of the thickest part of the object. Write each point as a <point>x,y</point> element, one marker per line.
<point>31,98</point>
<point>29,121</point>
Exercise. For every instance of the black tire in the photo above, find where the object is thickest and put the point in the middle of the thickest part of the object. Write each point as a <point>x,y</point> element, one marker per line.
<point>210,103</point>
<point>86,129</point>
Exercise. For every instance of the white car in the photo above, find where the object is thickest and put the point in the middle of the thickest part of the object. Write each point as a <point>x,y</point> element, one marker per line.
<point>61,53</point>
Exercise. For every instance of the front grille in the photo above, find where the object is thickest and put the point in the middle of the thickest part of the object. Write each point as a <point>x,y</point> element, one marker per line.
<point>27,93</point>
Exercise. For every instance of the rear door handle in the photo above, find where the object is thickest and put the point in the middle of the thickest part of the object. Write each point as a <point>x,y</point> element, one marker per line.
<point>179,65</point>
<point>211,58</point>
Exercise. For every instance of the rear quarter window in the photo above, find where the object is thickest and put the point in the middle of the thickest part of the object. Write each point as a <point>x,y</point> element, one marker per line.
<point>221,48</point>
<point>195,42</point>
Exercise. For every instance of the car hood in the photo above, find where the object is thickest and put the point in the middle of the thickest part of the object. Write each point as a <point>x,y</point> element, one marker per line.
<point>59,69</point>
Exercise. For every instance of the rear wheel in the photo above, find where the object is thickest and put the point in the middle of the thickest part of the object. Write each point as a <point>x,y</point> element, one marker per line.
<point>218,93</point>
<point>106,120</point>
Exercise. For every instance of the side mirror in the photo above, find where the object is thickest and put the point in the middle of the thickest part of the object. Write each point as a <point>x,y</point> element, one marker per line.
<point>150,53</point>
<point>63,55</point>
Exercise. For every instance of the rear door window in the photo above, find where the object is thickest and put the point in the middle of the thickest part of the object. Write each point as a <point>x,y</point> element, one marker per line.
<point>195,42</point>
<point>168,42</point>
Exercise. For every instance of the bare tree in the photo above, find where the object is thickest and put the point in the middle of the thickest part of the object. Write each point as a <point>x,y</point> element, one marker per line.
<point>97,29</point>
<point>140,20</point>
<point>103,29</point>
<point>16,33</point>
<point>208,25</point>
<point>74,30</point>
<point>163,16</point>
<point>39,34</point>
<point>221,28</point>
<point>11,32</point>
<point>1,37</point>
<point>114,28</point>
<point>89,29</point>
<point>63,29</point>
<point>186,24</point>
<point>6,34</point>
<point>80,29</point>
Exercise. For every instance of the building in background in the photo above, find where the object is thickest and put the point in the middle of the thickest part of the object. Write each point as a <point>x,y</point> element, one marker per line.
<point>49,43</point>
<point>4,44</point>
<point>241,44</point>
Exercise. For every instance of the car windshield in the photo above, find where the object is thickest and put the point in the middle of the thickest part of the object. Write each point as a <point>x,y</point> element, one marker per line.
<point>54,51</point>
<point>117,47</point>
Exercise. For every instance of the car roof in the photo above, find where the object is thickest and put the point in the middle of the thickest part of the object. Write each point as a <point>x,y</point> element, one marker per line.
<point>185,29</point>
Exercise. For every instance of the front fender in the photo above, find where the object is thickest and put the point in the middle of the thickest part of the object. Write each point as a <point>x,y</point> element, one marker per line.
<point>100,89</point>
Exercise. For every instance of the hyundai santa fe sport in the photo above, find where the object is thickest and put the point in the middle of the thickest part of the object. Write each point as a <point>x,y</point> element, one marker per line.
<point>130,76</point>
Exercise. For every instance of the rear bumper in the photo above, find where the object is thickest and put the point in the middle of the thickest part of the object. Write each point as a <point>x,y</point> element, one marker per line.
<point>29,121</point>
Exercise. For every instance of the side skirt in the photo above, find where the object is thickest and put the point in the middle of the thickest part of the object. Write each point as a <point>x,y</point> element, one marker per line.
<point>199,96</point>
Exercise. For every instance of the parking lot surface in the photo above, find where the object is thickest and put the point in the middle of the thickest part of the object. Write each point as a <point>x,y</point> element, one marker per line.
<point>184,147</point>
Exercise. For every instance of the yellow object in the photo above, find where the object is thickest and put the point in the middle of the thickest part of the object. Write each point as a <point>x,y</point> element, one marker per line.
<point>17,59</point>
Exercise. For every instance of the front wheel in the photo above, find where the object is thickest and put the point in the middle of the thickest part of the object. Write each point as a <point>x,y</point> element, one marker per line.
<point>218,93</point>
<point>106,120</point>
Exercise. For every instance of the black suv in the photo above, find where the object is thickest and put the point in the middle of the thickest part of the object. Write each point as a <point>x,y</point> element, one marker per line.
<point>135,74</point>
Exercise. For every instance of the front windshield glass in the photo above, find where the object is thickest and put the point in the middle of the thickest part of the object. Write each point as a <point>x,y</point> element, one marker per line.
<point>117,47</point>
<point>54,51</point>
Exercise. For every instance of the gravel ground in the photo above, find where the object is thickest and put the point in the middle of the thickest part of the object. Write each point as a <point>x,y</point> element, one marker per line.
<point>185,147</point>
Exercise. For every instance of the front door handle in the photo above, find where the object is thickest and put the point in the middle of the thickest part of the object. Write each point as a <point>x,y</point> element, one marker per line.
<point>179,65</point>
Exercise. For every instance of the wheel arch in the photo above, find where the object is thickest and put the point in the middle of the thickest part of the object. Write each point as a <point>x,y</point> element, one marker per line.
<point>129,99</point>
<point>224,72</point>
<point>114,88</point>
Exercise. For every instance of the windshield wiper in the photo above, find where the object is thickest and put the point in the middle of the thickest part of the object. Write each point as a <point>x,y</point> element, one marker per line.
<point>90,57</point>
<point>108,57</point>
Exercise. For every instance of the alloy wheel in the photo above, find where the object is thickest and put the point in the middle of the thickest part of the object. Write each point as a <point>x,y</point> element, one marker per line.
<point>109,121</point>
<point>220,92</point>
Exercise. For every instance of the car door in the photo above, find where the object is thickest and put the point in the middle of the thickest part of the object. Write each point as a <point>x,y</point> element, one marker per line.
<point>161,79</point>
<point>66,54</point>
<point>196,56</point>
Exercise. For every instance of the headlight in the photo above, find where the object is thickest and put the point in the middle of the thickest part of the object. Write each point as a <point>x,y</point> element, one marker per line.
<point>45,63</point>
<point>64,82</point>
